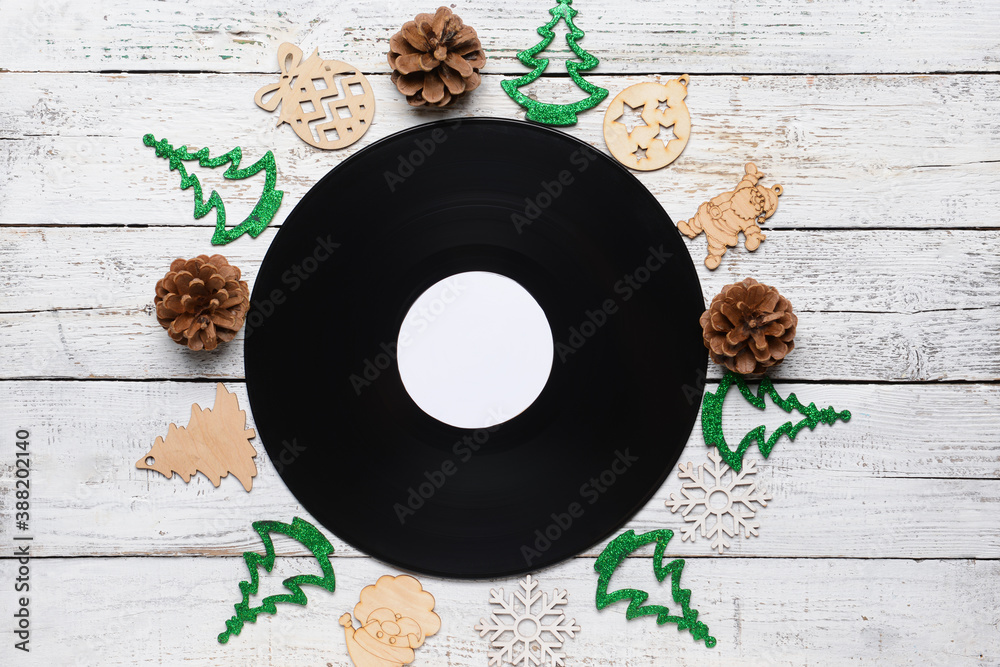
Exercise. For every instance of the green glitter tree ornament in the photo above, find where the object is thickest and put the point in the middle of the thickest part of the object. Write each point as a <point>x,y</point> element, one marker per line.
<point>711,418</point>
<point>617,551</point>
<point>262,213</point>
<point>300,530</point>
<point>544,112</point>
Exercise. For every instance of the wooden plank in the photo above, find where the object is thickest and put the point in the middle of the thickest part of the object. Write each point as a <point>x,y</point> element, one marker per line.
<point>761,611</point>
<point>628,36</point>
<point>128,343</point>
<point>904,272</point>
<point>914,474</point>
<point>850,151</point>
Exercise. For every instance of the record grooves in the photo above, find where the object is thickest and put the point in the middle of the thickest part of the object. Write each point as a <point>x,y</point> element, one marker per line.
<point>585,239</point>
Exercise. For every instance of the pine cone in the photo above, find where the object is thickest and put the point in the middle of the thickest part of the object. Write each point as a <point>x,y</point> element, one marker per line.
<point>435,59</point>
<point>202,301</point>
<point>749,327</point>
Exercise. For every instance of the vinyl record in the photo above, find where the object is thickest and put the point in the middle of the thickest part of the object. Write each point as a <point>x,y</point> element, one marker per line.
<point>594,249</point>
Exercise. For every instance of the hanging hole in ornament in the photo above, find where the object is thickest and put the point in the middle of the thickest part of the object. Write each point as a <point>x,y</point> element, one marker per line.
<point>777,189</point>
<point>684,79</point>
<point>150,460</point>
<point>319,84</point>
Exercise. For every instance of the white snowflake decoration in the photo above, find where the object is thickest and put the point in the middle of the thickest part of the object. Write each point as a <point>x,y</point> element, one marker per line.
<point>525,637</point>
<point>720,499</point>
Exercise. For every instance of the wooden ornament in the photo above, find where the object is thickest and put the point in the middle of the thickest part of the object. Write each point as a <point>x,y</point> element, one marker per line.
<point>742,209</point>
<point>664,132</point>
<point>303,89</point>
<point>215,443</point>
<point>396,616</point>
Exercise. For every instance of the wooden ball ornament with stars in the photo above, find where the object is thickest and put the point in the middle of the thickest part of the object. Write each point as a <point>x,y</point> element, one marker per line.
<point>647,125</point>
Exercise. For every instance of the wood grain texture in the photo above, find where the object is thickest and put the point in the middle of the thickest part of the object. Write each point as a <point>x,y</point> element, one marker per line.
<point>851,151</point>
<point>920,460</point>
<point>628,35</point>
<point>784,612</point>
<point>111,343</point>
<point>908,272</point>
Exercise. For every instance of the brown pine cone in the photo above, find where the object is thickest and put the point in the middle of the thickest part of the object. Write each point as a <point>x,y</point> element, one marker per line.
<point>749,327</point>
<point>435,59</point>
<point>202,301</point>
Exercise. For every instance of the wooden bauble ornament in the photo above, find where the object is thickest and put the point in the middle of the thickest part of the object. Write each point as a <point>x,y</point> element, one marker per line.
<point>742,209</point>
<point>303,89</point>
<point>658,142</point>
<point>215,443</point>
<point>396,616</point>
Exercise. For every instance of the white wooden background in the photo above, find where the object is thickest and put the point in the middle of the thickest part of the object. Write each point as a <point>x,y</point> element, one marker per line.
<point>880,119</point>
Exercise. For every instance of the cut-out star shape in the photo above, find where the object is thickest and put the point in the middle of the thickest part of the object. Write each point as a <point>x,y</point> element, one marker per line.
<point>663,106</point>
<point>640,154</point>
<point>666,134</point>
<point>631,117</point>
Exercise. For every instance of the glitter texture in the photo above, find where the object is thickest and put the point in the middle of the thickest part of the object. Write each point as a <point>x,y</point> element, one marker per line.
<point>544,112</point>
<point>262,213</point>
<point>613,556</point>
<point>711,418</point>
<point>300,530</point>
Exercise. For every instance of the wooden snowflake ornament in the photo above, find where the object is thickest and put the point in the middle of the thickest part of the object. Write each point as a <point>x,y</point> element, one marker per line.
<point>215,443</point>
<point>529,628</point>
<point>648,125</point>
<point>306,90</point>
<point>725,502</point>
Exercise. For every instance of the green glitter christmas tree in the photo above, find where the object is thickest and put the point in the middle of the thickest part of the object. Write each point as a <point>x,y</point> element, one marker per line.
<point>261,214</point>
<point>308,535</point>
<point>544,112</point>
<point>711,418</point>
<point>613,556</point>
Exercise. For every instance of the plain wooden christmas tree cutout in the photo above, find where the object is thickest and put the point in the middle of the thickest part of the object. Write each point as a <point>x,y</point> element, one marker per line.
<point>215,443</point>
<point>303,89</point>
<point>663,131</point>
<point>396,616</point>
<point>742,209</point>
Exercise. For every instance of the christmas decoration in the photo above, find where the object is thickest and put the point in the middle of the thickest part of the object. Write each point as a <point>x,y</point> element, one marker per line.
<point>396,616</point>
<point>527,636</point>
<point>711,418</point>
<point>733,499</point>
<point>262,213</point>
<point>613,556</point>
<point>743,209</point>
<point>201,301</point>
<point>316,90</point>
<point>664,132</point>
<point>308,535</point>
<point>749,327</point>
<point>436,59</point>
<point>544,112</point>
<point>215,443</point>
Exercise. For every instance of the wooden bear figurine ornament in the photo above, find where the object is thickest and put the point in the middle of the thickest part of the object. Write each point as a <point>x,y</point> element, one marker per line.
<point>396,616</point>
<point>725,216</point>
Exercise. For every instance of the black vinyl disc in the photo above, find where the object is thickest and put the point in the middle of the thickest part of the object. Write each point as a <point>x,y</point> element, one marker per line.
<point>585,239</point>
